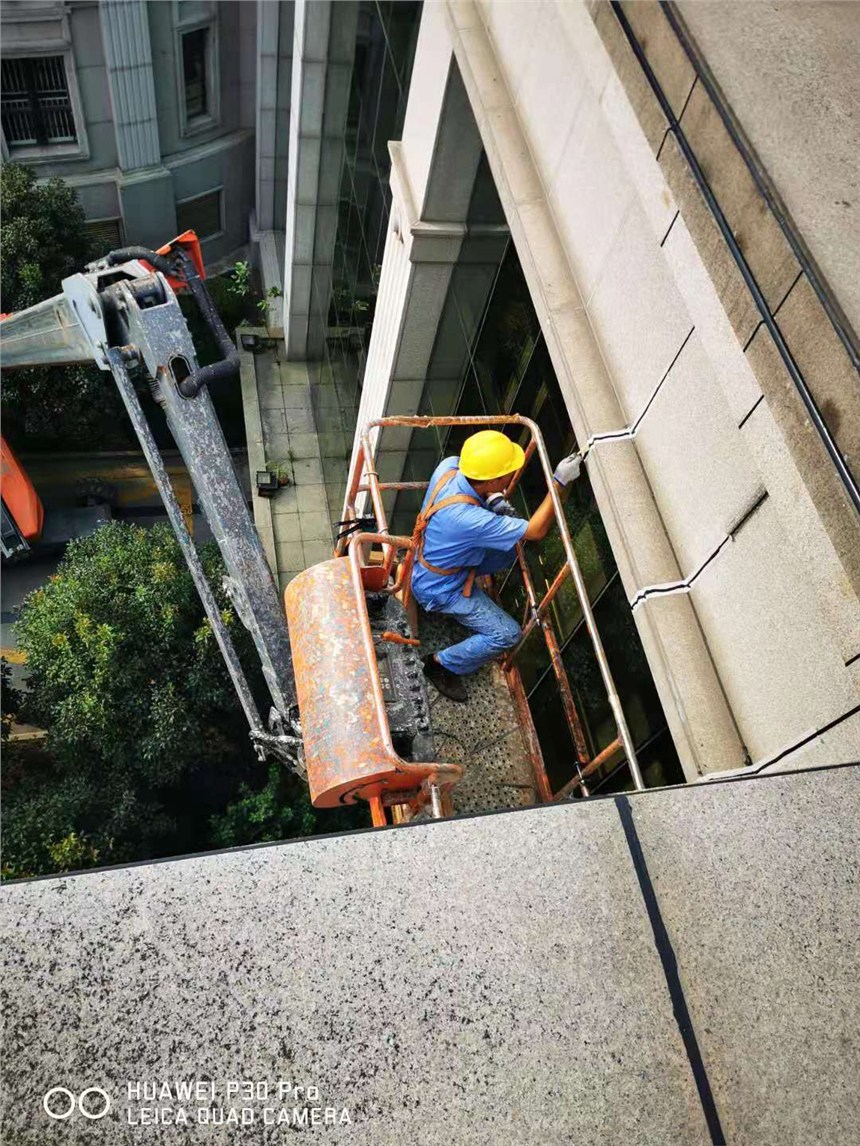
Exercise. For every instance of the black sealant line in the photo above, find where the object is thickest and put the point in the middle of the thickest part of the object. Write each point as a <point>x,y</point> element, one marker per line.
<point>772,200</point>
<point>742,265</point>
<point>669,228</point>
<point>756,768</point>
<point>670,971</point>
<point>750,412</point>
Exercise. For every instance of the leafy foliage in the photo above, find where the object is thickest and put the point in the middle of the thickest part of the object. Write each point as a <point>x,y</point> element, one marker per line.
<point>44,236</point>
<point>45,240</point>
<point>10,700</point>
<point>147,743</point>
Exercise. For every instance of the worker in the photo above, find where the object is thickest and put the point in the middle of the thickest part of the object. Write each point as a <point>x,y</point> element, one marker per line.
<point>467,528</point>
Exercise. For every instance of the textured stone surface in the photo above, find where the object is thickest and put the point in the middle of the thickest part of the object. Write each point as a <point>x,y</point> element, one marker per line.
<point>812,544</point>
<point>831,501</point>
<point>759,886</point>
<point>638,315</point>
<point>703,729</point>
<point>664,53</point>
<point>629,71</point>
<point>727,279</point>
<point>713,328</point>
<point>482,981</point>
<point>696,461</point>
<point>758,234</point>
<point>550,90</point>
<point>824,363</point>
<point>837,745</point>
<point>782,671</point>
<point>589,194</point>
<point>791,74</point>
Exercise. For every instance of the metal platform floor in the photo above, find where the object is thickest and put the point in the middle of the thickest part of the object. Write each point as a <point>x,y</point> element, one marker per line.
<point>482,735</point>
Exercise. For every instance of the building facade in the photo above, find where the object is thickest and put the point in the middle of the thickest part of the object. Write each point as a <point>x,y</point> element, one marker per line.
<point>584,229</point>
<point>147,109</point>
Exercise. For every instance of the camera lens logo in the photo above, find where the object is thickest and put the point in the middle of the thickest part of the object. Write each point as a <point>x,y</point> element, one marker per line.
<point>60,1103</point>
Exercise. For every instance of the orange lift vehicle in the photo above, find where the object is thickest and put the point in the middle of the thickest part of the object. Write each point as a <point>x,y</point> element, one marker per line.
<point>349,705</point>
<point>23,515</point>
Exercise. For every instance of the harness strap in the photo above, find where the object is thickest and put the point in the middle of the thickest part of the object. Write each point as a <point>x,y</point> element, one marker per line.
<point>423,518</point>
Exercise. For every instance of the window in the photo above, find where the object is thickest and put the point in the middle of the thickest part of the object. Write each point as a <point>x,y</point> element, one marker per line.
<point>106,235</point>
<point>202,214</point>
<point>195,31</point>
<point>195,73</point>
<point>36,105</point>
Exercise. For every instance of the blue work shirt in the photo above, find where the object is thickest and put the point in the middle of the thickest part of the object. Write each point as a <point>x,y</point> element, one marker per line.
<point>461,537</point>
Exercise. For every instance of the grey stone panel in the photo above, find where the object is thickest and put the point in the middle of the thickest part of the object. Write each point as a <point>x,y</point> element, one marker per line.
<point>102,141</point>
<point>663,51</point>
<point>482,981</point>
<point>783,674</point>
<point>100,200</point>
<point>639,92</point>
<point>456,158</point>
<point>86,37</point>
<point>791,75</point>
<point>759,887</point>
<point>95,95</point>
<point>149,209</point>
<point>825,366</point>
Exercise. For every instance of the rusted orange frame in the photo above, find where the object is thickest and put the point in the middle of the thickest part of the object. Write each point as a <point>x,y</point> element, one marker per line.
<point>364,467</point>
<point>426,775</point>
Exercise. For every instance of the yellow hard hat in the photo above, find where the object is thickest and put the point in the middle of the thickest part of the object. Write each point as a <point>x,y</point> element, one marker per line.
<point>490,454</point>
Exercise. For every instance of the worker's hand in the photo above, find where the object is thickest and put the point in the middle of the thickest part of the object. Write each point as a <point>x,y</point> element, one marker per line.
<point>499,504</point>
<point>568,468</point>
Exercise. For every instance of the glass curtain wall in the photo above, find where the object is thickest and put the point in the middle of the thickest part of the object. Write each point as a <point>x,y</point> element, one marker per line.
<point>490,357</point>
<point>344,304</point>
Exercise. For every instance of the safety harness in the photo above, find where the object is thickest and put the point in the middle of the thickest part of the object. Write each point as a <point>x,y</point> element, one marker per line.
<point>421,521</point>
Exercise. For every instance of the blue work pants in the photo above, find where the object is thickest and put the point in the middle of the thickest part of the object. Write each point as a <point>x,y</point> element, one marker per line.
<point>494,632</point>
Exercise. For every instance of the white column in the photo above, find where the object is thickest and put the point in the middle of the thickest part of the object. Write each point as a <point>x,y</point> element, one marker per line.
<point>128,54</point>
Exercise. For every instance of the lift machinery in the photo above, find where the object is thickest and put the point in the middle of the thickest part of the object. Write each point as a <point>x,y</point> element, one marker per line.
<point>349,705</point>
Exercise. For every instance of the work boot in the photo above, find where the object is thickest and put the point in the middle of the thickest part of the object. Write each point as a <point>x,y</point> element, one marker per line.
<point>445,681</point>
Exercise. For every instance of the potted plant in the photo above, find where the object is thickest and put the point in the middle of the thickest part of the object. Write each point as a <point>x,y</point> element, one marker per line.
<point>281,472</point>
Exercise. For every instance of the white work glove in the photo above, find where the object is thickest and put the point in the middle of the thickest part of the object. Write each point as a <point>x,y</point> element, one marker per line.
<point>497,503</point>
<point>567,469</point>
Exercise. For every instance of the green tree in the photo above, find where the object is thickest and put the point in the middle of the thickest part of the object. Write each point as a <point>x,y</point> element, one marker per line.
<point>148,749</point>
<point>10,701</point>
<point>44,240</point>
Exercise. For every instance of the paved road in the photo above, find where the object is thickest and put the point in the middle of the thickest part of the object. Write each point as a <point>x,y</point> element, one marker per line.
<point>56,478</point>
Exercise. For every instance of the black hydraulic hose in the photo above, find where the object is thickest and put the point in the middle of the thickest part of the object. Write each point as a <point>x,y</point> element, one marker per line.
<point>179,264</point>
<point>229,365</point>
<point>767,318</point>
<point>126,254</point>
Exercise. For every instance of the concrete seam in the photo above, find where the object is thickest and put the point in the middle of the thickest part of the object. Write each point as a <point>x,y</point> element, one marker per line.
<point>751,411</point>
<point>781,753</point>
<point>683,586</point>
<point>669,963</point>
<point>627,433</point>
<point>784,298</point>
<point>669,228</point>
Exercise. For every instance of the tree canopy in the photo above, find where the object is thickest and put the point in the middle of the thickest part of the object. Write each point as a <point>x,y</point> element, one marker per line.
<point>148,751</point>
<point>44,240</point>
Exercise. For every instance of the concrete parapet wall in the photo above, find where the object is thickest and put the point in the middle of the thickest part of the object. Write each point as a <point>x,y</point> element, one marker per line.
<point>634,969</point>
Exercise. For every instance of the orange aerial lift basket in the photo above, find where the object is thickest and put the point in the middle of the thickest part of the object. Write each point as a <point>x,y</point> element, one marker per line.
<point>340,685</point>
